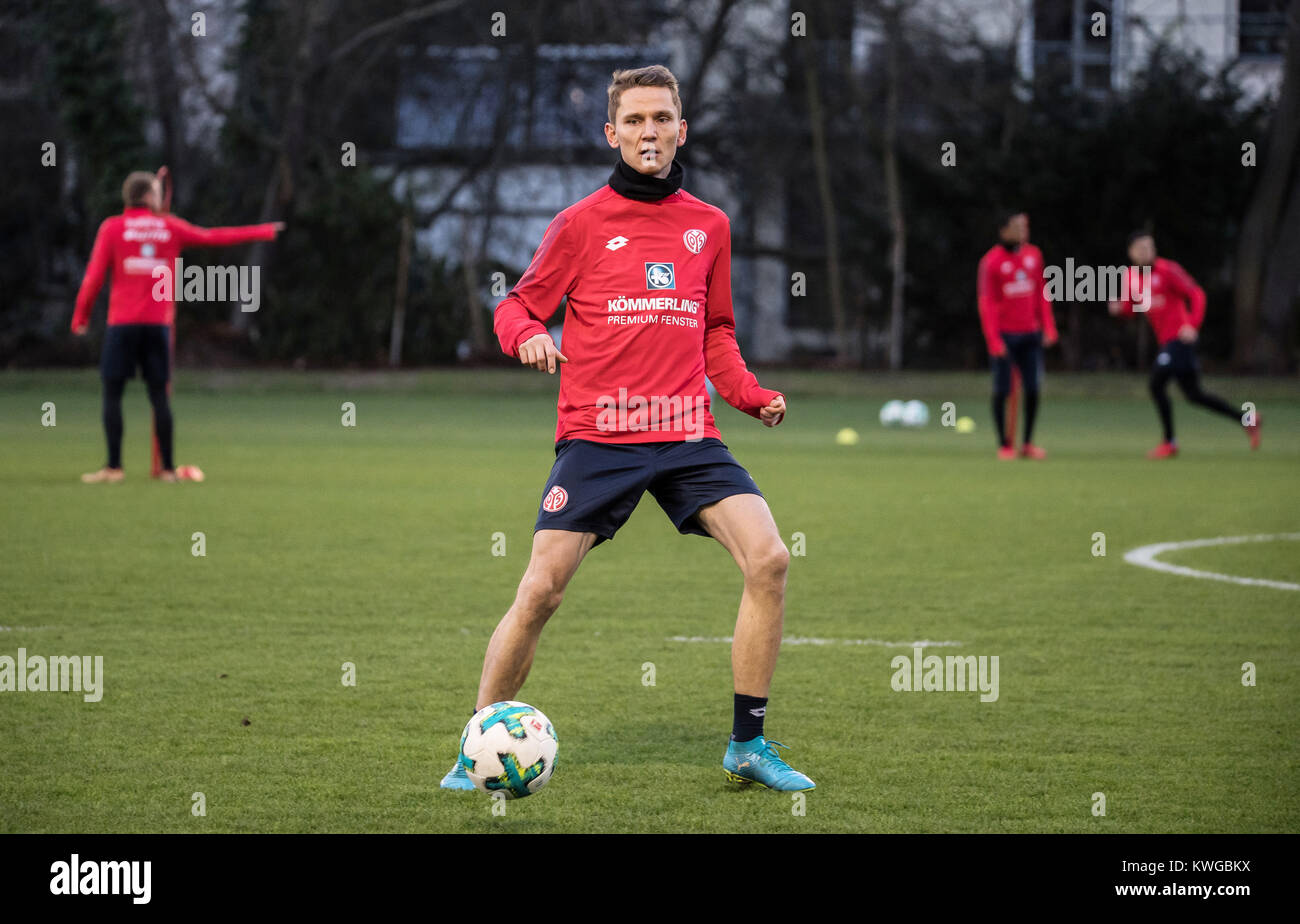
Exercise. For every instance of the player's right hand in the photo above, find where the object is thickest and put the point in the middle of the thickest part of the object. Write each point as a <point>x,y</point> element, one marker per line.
<point>1115,308</point>
<point>81,331</point>
<point>998,351</point>
<point>539,352</point>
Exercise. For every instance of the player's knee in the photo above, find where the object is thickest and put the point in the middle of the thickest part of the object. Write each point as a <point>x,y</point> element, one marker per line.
<point>113,389</point>
<point>769,565</point>
<point>540,593</point>
<point>158,396</point>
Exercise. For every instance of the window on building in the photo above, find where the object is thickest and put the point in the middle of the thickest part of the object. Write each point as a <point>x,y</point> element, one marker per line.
<point>1072,43</point>
<point>1261,27</point>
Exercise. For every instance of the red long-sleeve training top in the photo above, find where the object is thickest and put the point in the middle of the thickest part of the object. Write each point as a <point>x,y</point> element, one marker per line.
<point>1176,299</point>
<point>133,244</point>
<point>1012,299</point>
<point>649,315</point>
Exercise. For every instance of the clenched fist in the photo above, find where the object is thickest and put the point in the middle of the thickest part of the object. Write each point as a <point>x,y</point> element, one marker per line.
<point>774,413</point>
<point>539,352</point>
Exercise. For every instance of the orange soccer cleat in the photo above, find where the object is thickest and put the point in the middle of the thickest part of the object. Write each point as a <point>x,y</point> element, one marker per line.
<point>104,476</point>
<point>1006,453</point>
<point>1164,451</point>
<point>1030,451</point>
<point>1252,431</point>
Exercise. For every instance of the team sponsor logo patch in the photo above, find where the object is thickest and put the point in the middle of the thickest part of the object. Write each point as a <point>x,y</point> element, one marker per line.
<point>694,240</point>
<point>555,500</point>
<point>659,276</point>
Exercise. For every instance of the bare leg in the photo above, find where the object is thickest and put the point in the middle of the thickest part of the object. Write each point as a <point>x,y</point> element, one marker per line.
<point>744,525</point>
<point>555,558</point>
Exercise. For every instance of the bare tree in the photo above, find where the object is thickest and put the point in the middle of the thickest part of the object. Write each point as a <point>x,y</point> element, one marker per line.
<point>829,211</point>
<point>1266,276</point>
<point>281,184</point>
<point>893,30</point>
<point>399,296</point>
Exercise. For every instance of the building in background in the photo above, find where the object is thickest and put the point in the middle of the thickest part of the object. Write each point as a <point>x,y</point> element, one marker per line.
<point>1058,40</point>
<point>492,180</point>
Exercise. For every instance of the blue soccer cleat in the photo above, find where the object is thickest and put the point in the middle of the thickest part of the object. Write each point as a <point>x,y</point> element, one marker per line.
<point>757,762</point>
<point>457,778</point>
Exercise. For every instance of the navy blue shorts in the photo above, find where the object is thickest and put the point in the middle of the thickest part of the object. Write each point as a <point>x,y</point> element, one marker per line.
<point>594,487</point>
<point>127,346</point>
<point>1177,359</point>
<point>1026,351</point>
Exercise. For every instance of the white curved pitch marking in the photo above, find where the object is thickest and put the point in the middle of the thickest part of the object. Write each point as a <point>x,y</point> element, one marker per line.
<point>1147,557</point>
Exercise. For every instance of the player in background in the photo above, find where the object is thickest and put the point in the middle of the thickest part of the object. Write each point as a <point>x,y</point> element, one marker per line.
<point>646,268</point>
<point>132,245</point>
<point>1016,317</point>
<point>1175,310</point>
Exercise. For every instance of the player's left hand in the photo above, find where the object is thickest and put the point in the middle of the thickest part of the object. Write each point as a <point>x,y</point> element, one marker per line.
<point>81,331</point>
<point>1187,333</point>
<point>1050,340</point>
<point>774,413</point>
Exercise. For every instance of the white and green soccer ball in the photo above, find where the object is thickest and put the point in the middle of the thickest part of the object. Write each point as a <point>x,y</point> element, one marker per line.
<point>509,748</point>
<point>891,415</point>
<point>915,414</point>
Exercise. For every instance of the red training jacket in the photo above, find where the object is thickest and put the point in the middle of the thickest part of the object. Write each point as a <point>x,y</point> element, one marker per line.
<point>1176,299</point>
<point>1012,299</point>
<point>135,242</point>
<point>649,315</point>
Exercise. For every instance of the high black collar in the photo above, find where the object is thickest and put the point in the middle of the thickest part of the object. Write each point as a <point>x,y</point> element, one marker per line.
<point>1010,248</point>
<point>634,185</point>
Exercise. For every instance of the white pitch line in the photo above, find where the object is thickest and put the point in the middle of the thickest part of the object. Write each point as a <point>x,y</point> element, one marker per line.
<point>804,640</point>
<point>1147,557</point>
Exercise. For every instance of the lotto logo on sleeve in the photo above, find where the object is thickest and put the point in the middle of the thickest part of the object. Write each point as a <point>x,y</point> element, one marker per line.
<point>555,500</point>
<point>659,276</point>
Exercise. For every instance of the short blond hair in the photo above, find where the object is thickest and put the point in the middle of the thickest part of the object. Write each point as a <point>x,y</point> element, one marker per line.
<point>656,75</point>
<point>137,186</point>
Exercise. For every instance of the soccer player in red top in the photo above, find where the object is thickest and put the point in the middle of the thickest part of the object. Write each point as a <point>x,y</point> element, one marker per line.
<point>1017,321</point>
<point>646,269</point>
<point>133,245</point>
<point>1175,308</point>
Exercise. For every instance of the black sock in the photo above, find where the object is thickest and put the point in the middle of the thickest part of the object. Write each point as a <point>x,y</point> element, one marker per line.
<point>113,389</point>
<point>1000,417</point>
<point>1166,411</point>
<point>162,421</point>
<point>1031,411</point>
<point>747,723</point>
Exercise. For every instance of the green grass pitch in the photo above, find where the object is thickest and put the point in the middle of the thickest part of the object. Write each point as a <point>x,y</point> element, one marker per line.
<point>374,546</point>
